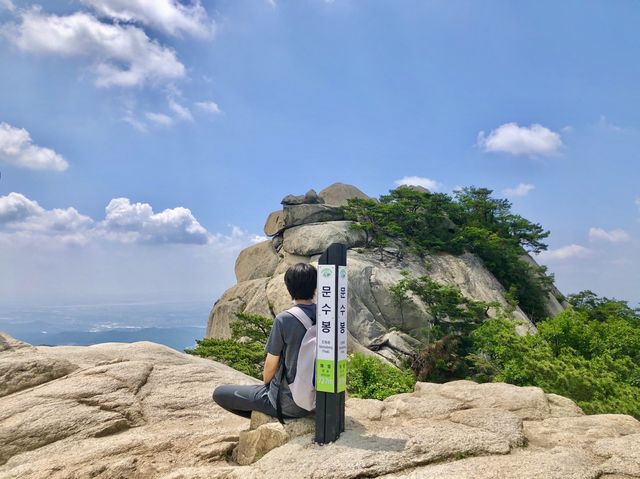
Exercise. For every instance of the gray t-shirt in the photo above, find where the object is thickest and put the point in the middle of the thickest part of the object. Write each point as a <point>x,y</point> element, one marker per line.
<point>284,341</point>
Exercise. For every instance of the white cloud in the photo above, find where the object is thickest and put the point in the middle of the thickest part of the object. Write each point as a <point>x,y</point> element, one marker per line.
<point>159,118</point>
<point>613,236</point>
<point>24,217</point>
<point>181,112</point>
<point>17,148</point>
<point>59,254</point>
<point>522,189</point>
<point>16,207</point>
<point>427,183</point>
<point>130,118</point>
<point>125,56</point>
<point>8,4</point>
<point>124,222</point>
<point>209,106</point>
<point>565,252</point>
<point>534,140</point>
<point>169,16</point>
<point>136,222</point>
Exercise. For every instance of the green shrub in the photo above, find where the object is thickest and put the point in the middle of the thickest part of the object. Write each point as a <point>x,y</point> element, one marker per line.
<point>370,378</point>
<point>589,354</point>
<point>244,351</point>
<point>472,221</point>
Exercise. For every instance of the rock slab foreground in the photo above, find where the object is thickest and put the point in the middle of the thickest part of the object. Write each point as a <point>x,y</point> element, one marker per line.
<point>143,410</point>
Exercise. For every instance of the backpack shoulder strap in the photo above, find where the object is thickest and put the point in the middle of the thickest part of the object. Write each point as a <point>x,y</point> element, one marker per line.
<point>301,316</point>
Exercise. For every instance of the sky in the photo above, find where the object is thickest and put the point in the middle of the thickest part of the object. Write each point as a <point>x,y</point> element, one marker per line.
<point>144,143</point>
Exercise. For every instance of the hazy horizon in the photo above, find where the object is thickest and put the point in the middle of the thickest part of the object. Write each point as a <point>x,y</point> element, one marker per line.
<point>140,153</point>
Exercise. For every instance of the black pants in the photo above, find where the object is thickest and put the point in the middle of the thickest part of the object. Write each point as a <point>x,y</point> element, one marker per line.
<point>241,400</point>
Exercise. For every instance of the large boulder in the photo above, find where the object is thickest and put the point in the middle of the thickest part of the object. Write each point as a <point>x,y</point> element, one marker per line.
<point>257,261</point>
<point>469,274</point>
<point>143,410</point>
<point>125,410</point>
<point>249,296</point>
<point>312,239</point>
<point>302,214</point>
<point>306,226</point>
<point>274,223</point>
<point>338,193</point>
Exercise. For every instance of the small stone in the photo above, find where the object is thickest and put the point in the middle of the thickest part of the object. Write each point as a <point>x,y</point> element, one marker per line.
<point>309,198</point>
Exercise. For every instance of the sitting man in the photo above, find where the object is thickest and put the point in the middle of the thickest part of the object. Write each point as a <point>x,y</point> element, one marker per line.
<point>282,352</point>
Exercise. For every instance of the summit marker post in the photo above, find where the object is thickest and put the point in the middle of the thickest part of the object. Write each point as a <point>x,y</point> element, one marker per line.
<point>331,362</point>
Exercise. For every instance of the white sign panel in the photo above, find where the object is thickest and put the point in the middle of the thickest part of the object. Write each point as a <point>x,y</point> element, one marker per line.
<point>341,323</point>
<point>342,312</point>
<point>325,325</point>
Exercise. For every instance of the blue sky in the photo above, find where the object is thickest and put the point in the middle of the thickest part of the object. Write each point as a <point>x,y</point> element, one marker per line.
<point>141,147</point>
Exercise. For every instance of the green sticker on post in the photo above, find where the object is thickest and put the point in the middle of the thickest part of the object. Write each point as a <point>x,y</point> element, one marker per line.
<point>324,376</point>
<point>342,375</point>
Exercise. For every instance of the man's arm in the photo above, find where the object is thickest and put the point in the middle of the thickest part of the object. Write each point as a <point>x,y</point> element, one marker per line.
<point>270,367</point>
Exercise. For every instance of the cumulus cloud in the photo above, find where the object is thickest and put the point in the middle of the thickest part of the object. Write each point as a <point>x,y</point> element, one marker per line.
<point>169,16</point>
<point>124,55</point>
<point>17,148</point>
<point>534,140</point>
<point>136,222</point>
<point>124,222</point>
<point>16,207</point>
<point>209,107</point>
<point>565,252</point>
<point>522,189</point>
<point>8,4</point>
<point>427,183</point>
<point>54,254</point>
<point>613,236</point>
<point>26,218</point>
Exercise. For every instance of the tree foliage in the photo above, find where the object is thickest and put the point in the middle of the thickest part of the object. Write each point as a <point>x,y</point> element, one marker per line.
<point>244,351</point>
<point>445,338</point>
<point>590,352</point>
<point>472,220</point>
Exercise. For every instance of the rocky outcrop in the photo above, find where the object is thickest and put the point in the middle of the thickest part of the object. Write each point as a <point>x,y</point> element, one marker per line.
<point>142,410</point>
<point>339,193</point>
<point>257,261</point>
<point>310,197</point>
<point>309,240</point>
<point>305,227</point>
<point>121,411</point>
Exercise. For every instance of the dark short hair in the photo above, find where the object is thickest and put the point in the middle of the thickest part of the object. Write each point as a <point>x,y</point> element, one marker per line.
<point>301,280</point>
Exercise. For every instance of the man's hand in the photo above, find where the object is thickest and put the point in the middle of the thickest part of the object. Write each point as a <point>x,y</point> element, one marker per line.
<point>270,367</point>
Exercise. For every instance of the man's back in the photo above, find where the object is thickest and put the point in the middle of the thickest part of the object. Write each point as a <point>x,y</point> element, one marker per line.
<point>284,341</point>
<point>282,349</point>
